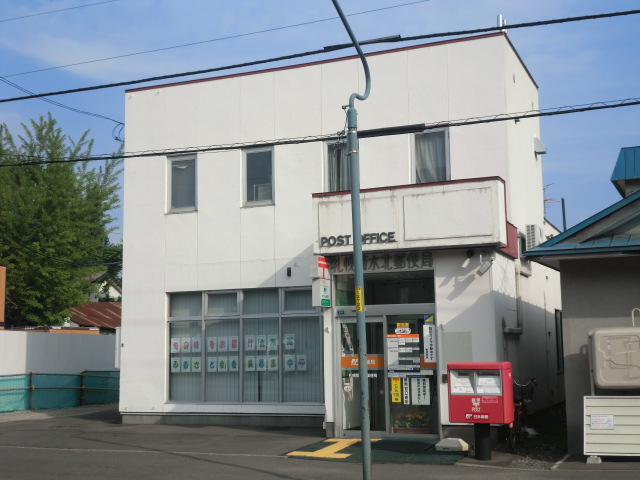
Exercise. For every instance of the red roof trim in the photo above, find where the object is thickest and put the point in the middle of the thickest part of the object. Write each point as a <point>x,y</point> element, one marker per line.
<point>411,185</point>
<point>332,60</point>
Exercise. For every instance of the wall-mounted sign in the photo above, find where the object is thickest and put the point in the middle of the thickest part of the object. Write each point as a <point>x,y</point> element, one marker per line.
<point>383,262</point>
<point>321,292</point>
<point>367,238</point>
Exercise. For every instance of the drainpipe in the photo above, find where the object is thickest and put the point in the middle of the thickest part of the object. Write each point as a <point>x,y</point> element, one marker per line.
<point>352,150</point>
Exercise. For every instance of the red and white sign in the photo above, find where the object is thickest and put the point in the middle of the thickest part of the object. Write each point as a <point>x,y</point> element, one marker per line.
<point>323,267</point>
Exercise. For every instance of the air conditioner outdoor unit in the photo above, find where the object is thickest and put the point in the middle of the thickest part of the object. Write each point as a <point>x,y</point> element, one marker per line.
<point>534,236</point>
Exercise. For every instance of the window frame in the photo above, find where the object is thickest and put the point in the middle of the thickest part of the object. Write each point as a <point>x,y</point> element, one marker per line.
<point>246,201</point>
<point>202,386</point>
<point>170,186</point>
<point>414,154</point>
<point>328,170</point>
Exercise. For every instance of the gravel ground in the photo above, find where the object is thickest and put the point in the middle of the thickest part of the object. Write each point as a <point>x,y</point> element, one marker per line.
<point>545,445</point>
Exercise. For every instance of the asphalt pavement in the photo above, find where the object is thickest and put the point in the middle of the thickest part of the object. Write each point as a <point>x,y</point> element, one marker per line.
<point>91,442</point>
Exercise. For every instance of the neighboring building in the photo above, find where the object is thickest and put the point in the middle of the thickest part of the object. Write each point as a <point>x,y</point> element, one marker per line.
<point>599,260</point>
<point>218,319</point>
<point>103,315</point>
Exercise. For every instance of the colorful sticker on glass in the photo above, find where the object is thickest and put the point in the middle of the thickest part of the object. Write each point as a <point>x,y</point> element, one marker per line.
<point>223,364</point>
<point>212,364</point>
<point>289,341</point>
<point>289,363</point>
<point>250,363</point>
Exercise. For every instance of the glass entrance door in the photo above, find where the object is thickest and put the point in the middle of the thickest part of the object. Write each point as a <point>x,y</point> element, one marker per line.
<point>350,377</point>
<point>411,371</point>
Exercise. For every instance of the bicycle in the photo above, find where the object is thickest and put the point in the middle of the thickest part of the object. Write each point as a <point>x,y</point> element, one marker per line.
<point>522,395</point>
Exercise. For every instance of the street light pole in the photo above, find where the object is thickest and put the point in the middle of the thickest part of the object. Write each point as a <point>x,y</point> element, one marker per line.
<point>354,157</point>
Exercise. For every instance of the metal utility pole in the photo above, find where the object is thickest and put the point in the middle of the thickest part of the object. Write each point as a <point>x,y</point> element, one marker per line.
<point>354,157</point>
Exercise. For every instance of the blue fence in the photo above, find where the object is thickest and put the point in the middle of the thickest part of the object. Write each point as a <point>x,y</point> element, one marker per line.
<point>34,391</point>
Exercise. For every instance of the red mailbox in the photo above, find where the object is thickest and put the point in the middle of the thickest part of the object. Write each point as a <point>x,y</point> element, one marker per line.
<point>480,392</point>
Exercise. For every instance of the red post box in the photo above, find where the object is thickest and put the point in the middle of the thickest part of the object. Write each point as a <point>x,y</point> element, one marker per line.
<point>480,392</point>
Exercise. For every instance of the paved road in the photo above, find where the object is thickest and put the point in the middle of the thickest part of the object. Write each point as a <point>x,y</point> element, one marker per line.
<point>90,443</point>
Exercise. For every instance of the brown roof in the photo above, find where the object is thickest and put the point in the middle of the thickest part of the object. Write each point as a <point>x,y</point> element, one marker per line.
<point>97,314</point>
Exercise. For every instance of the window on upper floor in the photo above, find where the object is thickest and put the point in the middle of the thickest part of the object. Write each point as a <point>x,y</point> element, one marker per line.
<point>431,157</point>
<point>259,176</point>
<point>338,167</point>
<point>182,184</point>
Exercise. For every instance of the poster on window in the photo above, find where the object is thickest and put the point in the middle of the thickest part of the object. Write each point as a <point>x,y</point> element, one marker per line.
<point>273,342</point>
<point>261,342</point>
<point>196,366</point>
<point>212,344</point>
<point>289,341</point>
<point>185,345</point>
<point>223,364</point>
<point>185,365</point>
<point>196,345</point>
<point>289,363</point>
<point>233,364</point>
<point>249,343</point>
<point>249,363</point>
<point>223,344</point>
<point>273,364</point>
<point>175,364</point>
<point>261,363</point>
<point>233,344</point>
<point>175,345</point>
<point>429,339</point>
<point>301,363</point>
<point>212,364</point>
<point>420,391</point>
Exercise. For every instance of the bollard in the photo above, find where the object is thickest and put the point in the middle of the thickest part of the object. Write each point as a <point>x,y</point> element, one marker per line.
<point>482,434</point>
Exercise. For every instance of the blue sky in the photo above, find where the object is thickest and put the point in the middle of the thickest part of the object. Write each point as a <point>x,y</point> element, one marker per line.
<point>573,64</point>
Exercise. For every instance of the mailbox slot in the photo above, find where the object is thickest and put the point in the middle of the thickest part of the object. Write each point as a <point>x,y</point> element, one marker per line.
<point>480,392</point>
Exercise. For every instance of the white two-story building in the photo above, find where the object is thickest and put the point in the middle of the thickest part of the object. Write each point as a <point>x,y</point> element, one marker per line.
<point>222,242</point>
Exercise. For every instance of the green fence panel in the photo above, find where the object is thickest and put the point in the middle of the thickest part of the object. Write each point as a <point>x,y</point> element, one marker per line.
<point>37,391</point>
<point>14,393</point>
<point>101,387</point>
<point>55,391</point>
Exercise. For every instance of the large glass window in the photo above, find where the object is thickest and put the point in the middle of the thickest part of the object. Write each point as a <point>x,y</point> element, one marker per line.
<point>182,191</point>
<point>388,288</point>
<point>259,176</point>
<point>338,167</point>
<point>431,157</point>
<point>185,361</point>
<point>222,376</point>
<point>251,346</point>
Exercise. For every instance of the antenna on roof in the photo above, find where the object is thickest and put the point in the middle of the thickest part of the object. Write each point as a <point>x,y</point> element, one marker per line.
<point>502,23</point>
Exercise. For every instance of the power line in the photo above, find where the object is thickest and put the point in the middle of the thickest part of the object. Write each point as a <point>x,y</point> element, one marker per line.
<point>229,37</point>
<point>397,130</point>
<point>56,11</point>
<point>67,107</point>
<point>314,52</point>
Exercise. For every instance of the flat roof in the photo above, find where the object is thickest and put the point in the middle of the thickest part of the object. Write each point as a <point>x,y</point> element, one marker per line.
<point>340,59</point>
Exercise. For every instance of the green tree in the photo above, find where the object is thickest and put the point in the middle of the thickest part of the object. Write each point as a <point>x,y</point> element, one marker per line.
<point>54,222</point>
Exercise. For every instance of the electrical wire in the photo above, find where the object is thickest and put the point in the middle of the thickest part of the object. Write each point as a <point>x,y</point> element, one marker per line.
<point>56,11</point>
<point>312,52</point>
<point>229,37</point>
<point>120,125</point>
<point>396,130</point>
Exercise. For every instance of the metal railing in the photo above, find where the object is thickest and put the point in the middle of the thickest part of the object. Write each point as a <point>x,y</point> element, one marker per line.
<point>34,391</point>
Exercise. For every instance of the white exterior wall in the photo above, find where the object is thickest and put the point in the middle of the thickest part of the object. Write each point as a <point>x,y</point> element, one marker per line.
<point>61,353</point>
<point>225,245</point>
